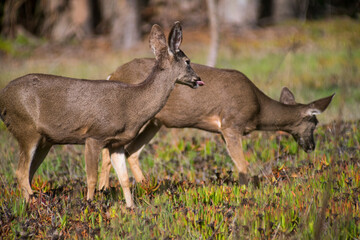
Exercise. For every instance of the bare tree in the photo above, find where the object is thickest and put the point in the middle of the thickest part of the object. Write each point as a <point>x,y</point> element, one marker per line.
<point>11,8</point>
<point>125,24</point>
<point>67,19</point>
<point>214,32</point>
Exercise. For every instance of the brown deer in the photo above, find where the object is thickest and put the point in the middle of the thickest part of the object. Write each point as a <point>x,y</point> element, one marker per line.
<point>44,110</point>
<point>229,104</point>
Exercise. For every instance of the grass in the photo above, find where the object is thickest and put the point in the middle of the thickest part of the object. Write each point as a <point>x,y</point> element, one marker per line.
<point>192,190</point>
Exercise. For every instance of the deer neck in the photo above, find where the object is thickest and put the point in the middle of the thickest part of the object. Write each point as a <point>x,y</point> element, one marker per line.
<point>152,95</point>
<point>276,116</point>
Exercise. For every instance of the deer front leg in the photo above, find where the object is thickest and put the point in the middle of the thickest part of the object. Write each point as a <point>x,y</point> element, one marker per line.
<point>92,151</point>
<point>117,156</point>
<point>133,151</point>
<point>106,167</point>
<point>134,164</point>
<point>105,170</point>
<point>136,146</point>
<point>234,146</point>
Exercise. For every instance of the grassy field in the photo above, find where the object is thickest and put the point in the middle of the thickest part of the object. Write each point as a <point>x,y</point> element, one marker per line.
<point>192,191</point>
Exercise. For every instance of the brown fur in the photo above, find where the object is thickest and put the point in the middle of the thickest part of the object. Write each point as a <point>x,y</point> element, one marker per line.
<point>229,104</point>
<point>42,110</point>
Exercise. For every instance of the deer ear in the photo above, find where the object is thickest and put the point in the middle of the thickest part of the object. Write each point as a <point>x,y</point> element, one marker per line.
<point>318,106</point>
<point>175,37</point>
<point>287,97</point>
<point>157,41</point>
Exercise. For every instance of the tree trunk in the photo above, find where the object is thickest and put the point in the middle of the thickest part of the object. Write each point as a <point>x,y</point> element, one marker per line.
<point>125,31</point>
<point>214,33</point>
<point>65,20</point>
<point>11,8</point>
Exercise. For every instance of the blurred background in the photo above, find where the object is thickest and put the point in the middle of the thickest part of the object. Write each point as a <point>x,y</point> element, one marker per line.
<point>310,46</point>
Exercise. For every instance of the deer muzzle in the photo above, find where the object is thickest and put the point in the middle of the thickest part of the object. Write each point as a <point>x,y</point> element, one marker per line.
<point>197,82</point>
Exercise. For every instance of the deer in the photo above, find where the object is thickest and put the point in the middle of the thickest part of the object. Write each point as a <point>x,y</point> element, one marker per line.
<point>229,104</point>
<point>44,110</point>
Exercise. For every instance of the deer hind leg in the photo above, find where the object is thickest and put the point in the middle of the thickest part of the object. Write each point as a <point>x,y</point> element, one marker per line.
<point>23,170</point>
<point>117,156</point>
<point>92,151</point>
<point>234,147</point>
<point>41,151</point>
<point>32,153</point>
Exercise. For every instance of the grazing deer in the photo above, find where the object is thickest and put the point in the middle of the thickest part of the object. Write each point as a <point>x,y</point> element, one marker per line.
<point>229,104</point>
<point>43,110</point>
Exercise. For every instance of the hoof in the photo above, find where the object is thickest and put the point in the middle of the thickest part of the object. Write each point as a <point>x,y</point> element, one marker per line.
<point>130,207</point>
<point>243,179</point>
<point>255,181</point>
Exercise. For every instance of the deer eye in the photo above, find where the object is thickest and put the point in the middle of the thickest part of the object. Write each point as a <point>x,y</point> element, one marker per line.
<point>187,61</point>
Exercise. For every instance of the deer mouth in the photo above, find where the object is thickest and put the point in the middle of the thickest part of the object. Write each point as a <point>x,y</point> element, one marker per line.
<point>308,147</point>
<point>198,83</point>
<point>194,83</point>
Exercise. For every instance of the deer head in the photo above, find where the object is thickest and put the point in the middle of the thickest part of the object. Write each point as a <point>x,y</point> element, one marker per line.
<point>171,56</point>
<point>303,128</point>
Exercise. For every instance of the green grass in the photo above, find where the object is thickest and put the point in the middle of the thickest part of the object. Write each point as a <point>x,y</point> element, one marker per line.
<point>193,192</point>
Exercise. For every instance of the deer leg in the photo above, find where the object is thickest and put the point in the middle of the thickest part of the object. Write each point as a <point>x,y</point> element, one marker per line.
<point>137,145</point>
<point>105,169</point>
<point>92,151</point>
<point>134,164</point>
<point>42,150</point>
<point>117,156</point>
<point>23,172</point>
<point>234,146</point>
<point>133,151</point>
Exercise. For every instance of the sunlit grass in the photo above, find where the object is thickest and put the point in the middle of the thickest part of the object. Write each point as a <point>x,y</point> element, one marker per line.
<point>193,191</point>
